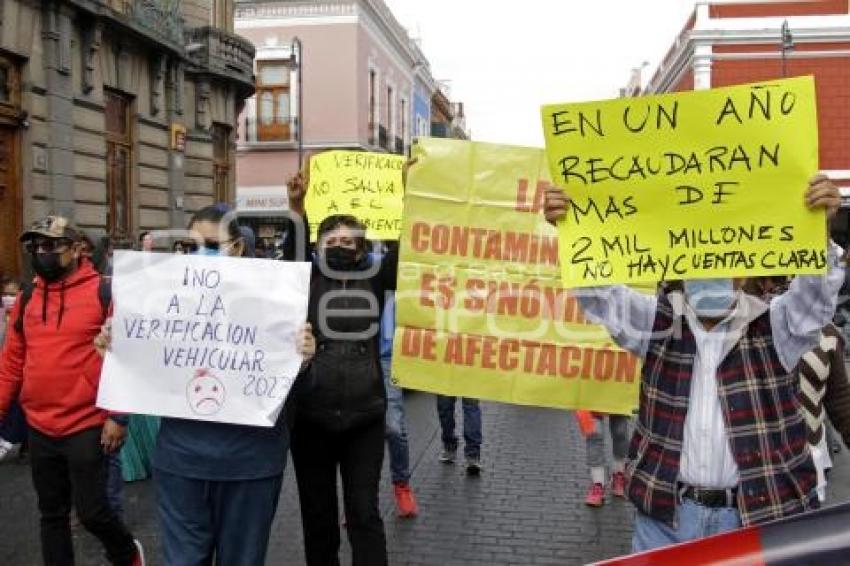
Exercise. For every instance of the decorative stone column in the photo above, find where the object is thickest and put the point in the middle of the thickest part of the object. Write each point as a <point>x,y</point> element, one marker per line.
<point>702,66</point>
<point>56,36</point>
<point>174,114</point>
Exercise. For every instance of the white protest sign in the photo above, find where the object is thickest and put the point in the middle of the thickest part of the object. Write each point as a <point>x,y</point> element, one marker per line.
<point>204,338</point>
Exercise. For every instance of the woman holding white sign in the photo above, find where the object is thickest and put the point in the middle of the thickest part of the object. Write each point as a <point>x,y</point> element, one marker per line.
<point>341,401</point>
<point>218,484</point>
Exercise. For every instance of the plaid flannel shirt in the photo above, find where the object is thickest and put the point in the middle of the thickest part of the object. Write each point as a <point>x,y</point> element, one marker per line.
<point>756,389</point>
<point>764,424</point>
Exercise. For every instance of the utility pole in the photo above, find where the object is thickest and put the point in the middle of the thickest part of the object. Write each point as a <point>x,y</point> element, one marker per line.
<point>297,58</point>
<point>787,46</point>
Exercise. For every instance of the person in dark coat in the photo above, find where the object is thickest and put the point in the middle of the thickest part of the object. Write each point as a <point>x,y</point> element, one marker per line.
<point>340,403</point>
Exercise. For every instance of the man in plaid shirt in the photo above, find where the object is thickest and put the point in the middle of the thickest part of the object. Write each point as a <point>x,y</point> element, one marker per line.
<point>720,439</point>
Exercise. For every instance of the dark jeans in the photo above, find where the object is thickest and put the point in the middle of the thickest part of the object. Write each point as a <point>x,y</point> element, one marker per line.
<point>230,520</point>
<point>359,454</point>
<point>14,427</point>
<point>396,432</point>
<point>74,468</point>
<point>471,425</point>
<point>115,484</point>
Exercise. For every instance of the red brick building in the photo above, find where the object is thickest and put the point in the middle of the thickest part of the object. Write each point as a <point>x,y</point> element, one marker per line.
<point>726,43</point>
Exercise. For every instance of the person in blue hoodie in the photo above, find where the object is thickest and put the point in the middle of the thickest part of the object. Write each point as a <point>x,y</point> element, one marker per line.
<point>218,484</point>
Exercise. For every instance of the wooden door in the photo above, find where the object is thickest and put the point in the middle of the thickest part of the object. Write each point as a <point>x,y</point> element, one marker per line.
<point>119,149</point>
<point>221,162</point>
<point>10,203</point>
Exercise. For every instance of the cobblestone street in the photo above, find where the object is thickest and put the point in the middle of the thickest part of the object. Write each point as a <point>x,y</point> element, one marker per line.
<point>526,508</point>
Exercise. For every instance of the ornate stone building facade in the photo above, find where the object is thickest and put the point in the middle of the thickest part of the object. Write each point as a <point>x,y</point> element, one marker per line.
<point>119,114</point>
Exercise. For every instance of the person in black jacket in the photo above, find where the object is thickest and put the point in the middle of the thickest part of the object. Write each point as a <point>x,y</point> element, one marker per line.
<point>340,404</point>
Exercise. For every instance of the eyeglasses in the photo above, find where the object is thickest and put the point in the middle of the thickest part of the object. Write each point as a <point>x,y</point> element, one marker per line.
<point>46,245</point>
<point>191,246</point>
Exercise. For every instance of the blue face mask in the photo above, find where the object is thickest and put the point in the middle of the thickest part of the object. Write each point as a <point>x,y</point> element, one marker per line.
<point>711,298</point>
<point>207,251</point>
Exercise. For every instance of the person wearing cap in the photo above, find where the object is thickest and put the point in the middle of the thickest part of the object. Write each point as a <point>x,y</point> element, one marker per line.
<point>50,360</point>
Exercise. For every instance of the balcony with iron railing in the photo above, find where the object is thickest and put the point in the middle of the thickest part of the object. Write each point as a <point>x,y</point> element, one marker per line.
<point>222,53</point>
<point>160,19</point>
<point>276,132</point>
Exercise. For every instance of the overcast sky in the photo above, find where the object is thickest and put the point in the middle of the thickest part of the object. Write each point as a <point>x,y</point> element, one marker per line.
<point>504,59</point>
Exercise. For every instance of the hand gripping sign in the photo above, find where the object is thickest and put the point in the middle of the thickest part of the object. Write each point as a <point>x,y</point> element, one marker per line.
<point>204,338</point>
<point>688,185</point>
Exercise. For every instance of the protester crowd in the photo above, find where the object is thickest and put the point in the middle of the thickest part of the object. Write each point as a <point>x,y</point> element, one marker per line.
<point>742,441</point>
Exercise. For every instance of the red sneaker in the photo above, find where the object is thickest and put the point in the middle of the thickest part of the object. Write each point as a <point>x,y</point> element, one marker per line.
<point>618,484</point>
<point>595,495</point>
<point>405,501</point>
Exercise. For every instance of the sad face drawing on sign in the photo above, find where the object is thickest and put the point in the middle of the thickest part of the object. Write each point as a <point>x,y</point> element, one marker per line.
<point>205,393</point>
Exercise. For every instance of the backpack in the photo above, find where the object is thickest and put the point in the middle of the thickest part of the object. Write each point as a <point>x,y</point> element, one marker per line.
<point>104,293</point>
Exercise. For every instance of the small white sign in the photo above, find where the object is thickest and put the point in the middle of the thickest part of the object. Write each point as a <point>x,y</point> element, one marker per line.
<point>204,338</point>
<point>269,201</point>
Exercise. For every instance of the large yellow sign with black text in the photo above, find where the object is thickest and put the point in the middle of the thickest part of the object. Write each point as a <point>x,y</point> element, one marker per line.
<point>481,311</point>
<point>688,185</point>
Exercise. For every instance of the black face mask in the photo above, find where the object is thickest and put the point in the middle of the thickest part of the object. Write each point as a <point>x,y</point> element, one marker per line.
<point>340,259</point>
<point>48,267</point>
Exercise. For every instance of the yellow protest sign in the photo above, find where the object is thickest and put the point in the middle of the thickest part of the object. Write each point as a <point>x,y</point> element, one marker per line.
<point>688,185</point>
<point>481,311</point>
<point>365,185</point>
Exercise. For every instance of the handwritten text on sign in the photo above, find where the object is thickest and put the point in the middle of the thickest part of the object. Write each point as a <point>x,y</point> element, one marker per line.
<point>202,338</point>
<point>697,184</point>
<point>365,185</point>
<point>481,311</point>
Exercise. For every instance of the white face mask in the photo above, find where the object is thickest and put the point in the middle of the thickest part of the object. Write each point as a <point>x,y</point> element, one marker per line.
<point>710,298</point>
<point>8,302</point>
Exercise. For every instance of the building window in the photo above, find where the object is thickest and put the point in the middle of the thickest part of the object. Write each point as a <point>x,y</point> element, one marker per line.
<point>221,162</point>
<point>373,105</point>
<point>390,102</point>
<point>5,93</point>
<point>10,187</point>
<point>119,148</point>
<point>274,121</point>
<point>385,130</point>
<point>10,86</point>
<point>403,137</point>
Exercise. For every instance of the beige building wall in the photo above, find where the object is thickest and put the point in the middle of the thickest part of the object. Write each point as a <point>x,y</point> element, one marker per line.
<point>67,61</point>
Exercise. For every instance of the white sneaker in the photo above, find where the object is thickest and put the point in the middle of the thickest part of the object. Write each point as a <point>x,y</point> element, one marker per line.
<point>139,560</point>
<point>448,456</point>
<point>8,450</point>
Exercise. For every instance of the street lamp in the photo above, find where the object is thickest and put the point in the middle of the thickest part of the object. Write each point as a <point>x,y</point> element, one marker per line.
<point>787,46</point>
<point>297,61</point>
